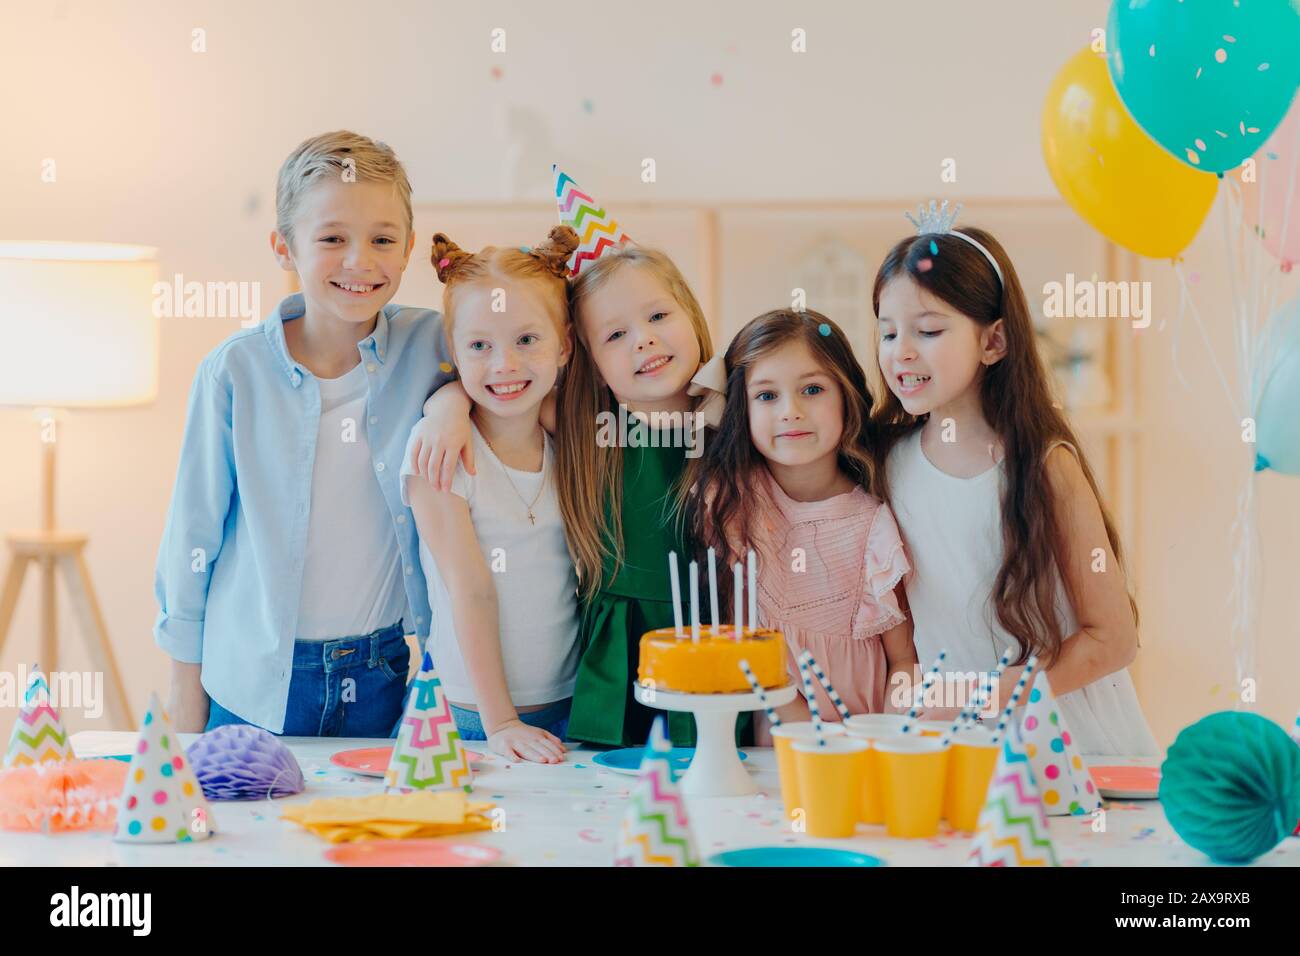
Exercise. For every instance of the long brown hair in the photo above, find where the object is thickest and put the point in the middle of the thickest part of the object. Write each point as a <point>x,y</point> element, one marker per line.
<point>729,476</point>
<point>1017,403</point>
<point>589,480</point>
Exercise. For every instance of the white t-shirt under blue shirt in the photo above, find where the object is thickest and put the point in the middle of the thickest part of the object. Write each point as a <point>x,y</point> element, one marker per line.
<point>352,576</point>
<point>536,584</point>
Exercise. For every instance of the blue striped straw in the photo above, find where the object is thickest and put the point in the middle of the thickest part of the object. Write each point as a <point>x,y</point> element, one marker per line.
<point>811,696</point>
<point>1015,697</point>
<point>757,688</point>
<point>987,683</point>
<point>930,675</point>
<point>821,679</point>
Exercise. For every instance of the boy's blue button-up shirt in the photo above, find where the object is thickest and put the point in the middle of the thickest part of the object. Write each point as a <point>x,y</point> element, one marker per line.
<point>230,565</point>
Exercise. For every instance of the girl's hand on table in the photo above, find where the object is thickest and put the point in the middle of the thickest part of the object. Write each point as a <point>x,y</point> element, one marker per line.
<point>518,741</point>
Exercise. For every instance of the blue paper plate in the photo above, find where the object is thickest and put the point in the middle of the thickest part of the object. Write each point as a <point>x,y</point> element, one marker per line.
<point>793,856</point>
<point>628,760</point>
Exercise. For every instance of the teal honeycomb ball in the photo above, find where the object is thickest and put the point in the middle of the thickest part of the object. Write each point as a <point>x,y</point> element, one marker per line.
<point>1230,786</point>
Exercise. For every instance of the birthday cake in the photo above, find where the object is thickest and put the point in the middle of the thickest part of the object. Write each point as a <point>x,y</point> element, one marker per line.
<point>711,665</point>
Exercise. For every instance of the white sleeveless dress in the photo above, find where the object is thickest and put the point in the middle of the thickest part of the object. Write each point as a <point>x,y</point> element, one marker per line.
<point>952,528</point>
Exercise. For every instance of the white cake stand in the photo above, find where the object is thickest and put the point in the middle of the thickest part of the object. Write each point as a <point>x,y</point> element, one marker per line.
<point>716,770</point>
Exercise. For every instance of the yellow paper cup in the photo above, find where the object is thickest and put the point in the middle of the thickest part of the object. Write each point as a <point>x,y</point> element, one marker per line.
<point>872,727</point>
<point>970,767</point>
<point>912,771</point>
<point>830,783</point>
<point>782,738</point>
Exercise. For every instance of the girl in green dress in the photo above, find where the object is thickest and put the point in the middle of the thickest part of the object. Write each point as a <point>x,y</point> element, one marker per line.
<point>628,417</point>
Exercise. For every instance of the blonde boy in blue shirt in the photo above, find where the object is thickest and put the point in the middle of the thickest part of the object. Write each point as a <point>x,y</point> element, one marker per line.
<point>288,572</point>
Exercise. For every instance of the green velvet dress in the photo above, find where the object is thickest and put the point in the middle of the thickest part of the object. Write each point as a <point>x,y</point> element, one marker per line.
<point>636,600</point>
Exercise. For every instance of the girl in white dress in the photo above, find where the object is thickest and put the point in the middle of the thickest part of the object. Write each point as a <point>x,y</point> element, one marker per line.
<point>1000,513</point>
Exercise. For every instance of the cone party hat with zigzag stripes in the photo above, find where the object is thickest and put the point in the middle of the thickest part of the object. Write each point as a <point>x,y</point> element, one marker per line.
<point>655,831</point>
<point>38,735</point>
<point>1012,829</point>
<point>596,229</point>
<point>428,754</point>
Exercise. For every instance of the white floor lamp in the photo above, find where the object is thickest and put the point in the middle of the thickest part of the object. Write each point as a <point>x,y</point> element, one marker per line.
<point>78,331</point>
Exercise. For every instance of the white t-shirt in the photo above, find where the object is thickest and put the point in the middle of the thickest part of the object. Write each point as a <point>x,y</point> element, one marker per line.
<point>536,584</point>
<point>352,574</point>
<point>952,529</point>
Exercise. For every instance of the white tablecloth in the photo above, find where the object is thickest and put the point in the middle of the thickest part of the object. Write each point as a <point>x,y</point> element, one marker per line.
<point>569,814</point>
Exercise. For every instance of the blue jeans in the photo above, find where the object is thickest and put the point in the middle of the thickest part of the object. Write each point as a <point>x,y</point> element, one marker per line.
<point>352,687</point>
<point>553,717</point>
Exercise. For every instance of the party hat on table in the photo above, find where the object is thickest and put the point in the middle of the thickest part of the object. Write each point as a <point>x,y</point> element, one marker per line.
<point>1064,783</point>
<point>162,801</point>
<point>596,229</point>
<point>38,735</point>
<point>429,754</point>
<point>655,830</point>
<point>1012,828</point>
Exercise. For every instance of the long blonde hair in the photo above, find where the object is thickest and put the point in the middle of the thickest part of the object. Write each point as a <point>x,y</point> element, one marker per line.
<point>590,477</point>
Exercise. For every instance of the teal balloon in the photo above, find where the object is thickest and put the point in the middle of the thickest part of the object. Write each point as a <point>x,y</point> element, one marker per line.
<point>1208,80</point>
<point>1277,416</point>
<point>1230,786</point>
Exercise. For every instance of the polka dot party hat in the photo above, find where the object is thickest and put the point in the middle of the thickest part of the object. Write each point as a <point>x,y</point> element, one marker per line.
<point>597,230</point>
<point>1064,782</point>
<point>162,801</point>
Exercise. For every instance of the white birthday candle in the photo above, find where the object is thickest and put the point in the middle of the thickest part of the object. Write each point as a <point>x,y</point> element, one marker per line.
<point>753,592</point>
<point>713,589</point>
<point>693,574</point>
<point>738,597</point>
<point>677,593</point>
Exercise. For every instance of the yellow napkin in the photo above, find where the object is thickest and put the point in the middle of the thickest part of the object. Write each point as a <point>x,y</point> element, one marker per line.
<point>391,816</point>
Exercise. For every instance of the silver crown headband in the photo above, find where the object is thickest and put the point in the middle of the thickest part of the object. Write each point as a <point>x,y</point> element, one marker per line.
<point>937,221</point>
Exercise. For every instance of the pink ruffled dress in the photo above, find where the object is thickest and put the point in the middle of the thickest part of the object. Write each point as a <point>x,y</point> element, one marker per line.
<point>827,572</point>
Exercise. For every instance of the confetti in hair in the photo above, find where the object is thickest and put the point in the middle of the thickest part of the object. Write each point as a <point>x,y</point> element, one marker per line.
<point>924,265</point>
<point>824,329</point>
<point>934,248</point>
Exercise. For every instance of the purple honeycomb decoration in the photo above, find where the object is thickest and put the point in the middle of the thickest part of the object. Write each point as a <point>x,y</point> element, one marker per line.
<point>241,762</point>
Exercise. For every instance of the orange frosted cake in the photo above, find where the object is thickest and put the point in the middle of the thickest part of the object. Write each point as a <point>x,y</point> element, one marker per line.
<point>711,666</point>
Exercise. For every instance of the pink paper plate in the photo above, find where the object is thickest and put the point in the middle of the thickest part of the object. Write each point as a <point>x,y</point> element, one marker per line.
<point>372,761</point>
<point>435,852</point>
<point>1127,783</point>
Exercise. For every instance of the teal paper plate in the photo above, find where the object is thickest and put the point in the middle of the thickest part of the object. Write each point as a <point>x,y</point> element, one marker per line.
<point>793,856</point>
<point>628,759</point>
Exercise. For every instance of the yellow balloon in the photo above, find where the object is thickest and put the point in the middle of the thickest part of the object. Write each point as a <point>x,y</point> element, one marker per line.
<point>1113,174</point>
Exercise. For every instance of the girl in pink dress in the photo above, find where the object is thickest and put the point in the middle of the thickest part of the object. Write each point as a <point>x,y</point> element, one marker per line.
<point>787,475</point>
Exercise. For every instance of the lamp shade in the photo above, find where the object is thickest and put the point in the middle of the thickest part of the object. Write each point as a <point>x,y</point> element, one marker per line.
<point>78,324</point>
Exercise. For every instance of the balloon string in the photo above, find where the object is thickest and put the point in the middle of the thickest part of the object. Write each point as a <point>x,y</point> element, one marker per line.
<point>1214,359</point>
<point>1290,193</point>
<point>1178,334</point>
